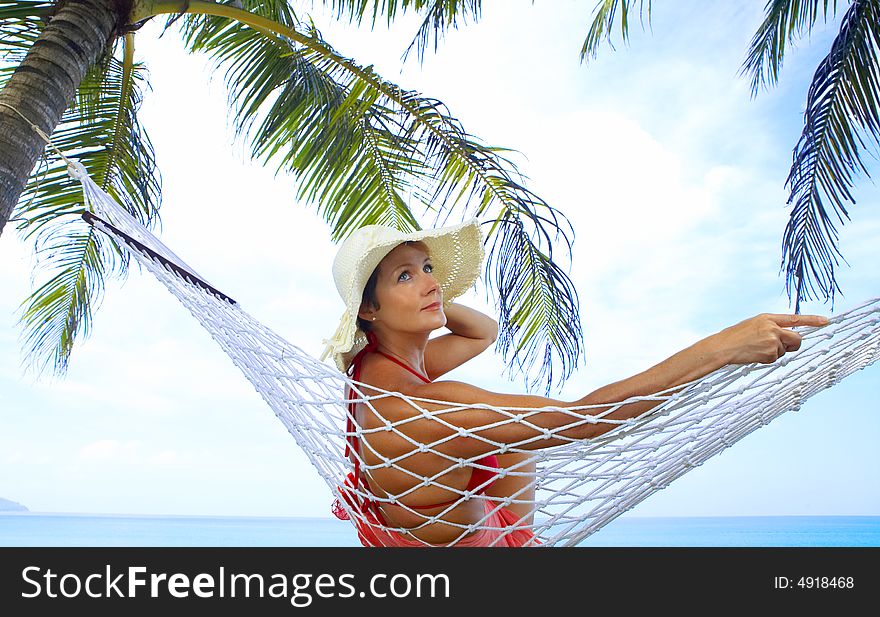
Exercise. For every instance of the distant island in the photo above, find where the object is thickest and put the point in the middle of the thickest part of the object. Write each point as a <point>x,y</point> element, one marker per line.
<point>11,506</point>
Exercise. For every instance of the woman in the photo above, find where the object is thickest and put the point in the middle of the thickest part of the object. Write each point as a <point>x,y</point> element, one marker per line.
<point>398,288</point>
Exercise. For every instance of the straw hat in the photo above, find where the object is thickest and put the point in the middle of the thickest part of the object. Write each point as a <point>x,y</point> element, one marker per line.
<point>456,253</point>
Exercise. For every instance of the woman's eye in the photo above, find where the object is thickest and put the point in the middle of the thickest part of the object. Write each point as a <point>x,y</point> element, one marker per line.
<point>426,268</point>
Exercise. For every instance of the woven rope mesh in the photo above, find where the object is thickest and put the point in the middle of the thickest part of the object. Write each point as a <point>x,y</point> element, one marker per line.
<point>580,485</point>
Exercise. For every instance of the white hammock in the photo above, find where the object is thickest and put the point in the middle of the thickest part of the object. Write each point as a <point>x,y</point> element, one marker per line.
<point>580,485</point>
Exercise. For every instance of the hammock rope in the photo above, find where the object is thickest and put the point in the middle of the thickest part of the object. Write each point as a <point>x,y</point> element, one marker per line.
<point>580,485</point>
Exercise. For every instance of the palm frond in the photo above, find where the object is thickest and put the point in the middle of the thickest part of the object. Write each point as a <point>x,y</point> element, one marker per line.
<point>365,151</point>
<point>603,21</point>
<point>21,22</point>
<point>537,301</point>
<point>291,112</point>
<point>440,15</point>
<point>197,27</point>
<point>783,21</point>
<point>842,112</point>
<point>100,130</point>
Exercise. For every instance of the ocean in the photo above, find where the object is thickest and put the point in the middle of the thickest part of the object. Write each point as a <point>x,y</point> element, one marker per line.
<point>50,529</point>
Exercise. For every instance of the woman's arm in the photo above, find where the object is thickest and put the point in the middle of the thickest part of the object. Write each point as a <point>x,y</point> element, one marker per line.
<point>763,339</point>
<point>470,323</point>
<point>471,333</point>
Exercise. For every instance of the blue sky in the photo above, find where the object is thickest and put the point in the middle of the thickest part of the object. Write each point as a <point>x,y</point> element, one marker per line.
<point>671,174</point>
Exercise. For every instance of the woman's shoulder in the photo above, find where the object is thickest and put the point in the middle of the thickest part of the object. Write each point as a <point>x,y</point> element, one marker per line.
<point>379,371</point>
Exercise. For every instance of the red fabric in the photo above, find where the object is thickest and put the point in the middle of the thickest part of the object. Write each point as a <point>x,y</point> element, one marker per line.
<point>370,536</point>
<point>499,529</point>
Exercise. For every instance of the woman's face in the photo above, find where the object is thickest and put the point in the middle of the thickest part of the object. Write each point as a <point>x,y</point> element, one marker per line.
<point>409,297</point>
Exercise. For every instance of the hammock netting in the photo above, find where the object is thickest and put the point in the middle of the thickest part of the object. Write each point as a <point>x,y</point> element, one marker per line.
<point>580,485</point>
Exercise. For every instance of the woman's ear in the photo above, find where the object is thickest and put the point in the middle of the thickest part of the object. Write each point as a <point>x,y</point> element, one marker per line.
<point>366,312</point>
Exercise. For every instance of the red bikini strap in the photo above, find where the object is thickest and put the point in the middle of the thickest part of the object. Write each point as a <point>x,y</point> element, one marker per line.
<point>411,370</point>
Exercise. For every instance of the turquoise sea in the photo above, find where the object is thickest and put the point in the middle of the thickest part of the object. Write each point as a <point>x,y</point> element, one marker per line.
<point>50,529</point>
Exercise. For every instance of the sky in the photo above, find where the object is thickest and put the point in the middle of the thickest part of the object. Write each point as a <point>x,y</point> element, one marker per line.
<point>671,173</point>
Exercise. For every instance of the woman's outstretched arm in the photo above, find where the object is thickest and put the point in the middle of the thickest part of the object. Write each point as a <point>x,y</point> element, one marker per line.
<point>763,338</point>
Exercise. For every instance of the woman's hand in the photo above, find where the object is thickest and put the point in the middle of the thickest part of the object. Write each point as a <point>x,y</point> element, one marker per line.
<point>763,338</point>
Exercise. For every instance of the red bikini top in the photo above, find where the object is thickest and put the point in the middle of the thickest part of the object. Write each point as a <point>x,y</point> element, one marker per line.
<point>479,476</point>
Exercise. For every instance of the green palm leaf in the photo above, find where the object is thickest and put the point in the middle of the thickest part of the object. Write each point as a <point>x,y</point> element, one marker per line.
<point>293,113</point>
<point>102,132</point>
<point>360,145</point>
<point>603,20</point>
<point>784,19</point>
<point>529,304</point>
<point>842,110</point>
<point>439,15</point>
<point>20,25</point>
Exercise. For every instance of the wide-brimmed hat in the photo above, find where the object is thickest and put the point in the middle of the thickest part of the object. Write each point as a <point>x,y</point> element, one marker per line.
<point>456,255</point>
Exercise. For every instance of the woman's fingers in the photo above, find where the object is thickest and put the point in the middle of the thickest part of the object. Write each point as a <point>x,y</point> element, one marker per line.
<point>788,321</point>
<point>790,340</point>
<point>778,338</point>
<point>766,337</point>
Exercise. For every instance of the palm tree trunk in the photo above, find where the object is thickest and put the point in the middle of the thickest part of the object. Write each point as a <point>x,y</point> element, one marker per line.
<point>45,83</point>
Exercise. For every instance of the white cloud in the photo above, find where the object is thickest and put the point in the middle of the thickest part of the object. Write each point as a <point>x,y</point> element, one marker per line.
<point>110,451</point>
<point>165,457</point>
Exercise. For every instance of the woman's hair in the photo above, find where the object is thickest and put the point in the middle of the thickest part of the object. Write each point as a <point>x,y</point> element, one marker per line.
<point>368,297</point>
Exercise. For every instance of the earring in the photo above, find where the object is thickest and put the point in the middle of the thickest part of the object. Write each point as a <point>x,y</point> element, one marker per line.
<point>374,319</point>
